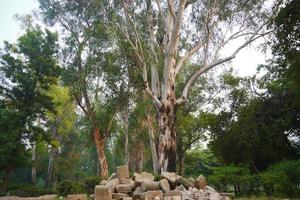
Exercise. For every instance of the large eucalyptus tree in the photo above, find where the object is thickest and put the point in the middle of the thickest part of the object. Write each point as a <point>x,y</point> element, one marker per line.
<point>166,35</point>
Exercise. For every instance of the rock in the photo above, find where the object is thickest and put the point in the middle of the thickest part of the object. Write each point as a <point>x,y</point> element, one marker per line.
<point>164,185</point>
<point>173,198</point>
<point>127,198</point>
<point>137,193</point>
<point>123,174</point>
<point>153,195</point>
<point>150,185</point>
<point>209,188</point>
<point>144,176</point>
<point>170,176</point>
<point>227,194</point>
<point>180,187</point>
<point>123,188</point>
<point>113,183</point>
<point>92,196</point>
<point>200,182</point>
<point>187,184</point>
<point>112,176</point>
<point>172,193</point>
<point>103,182</point>
<point>49,197</point>
<point>119,196</point>
<point>191,179</point>
<point>103,192</point>
<point>77,197</point>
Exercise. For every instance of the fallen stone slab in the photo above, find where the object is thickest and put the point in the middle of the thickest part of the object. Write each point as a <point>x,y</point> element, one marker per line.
<point>170,176</point>
<point>172,193</point>
<point>164,185</point>
<point>153,195</point>
<point>119,196</point>
<point>103,192</point>
<point>150,185</point>
<point>185,182</point>
<point>77,197</point>
<point>123,188</point>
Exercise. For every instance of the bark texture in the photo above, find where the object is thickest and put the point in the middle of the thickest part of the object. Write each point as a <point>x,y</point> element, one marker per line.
<point>100,146</point>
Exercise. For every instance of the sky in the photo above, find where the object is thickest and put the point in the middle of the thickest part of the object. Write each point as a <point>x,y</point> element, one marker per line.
<point>244,64</point>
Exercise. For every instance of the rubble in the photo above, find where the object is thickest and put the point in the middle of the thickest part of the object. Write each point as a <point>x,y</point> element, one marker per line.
<point>120,186</point>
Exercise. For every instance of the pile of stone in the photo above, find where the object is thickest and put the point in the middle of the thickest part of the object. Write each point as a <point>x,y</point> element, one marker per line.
<point>143,186</point>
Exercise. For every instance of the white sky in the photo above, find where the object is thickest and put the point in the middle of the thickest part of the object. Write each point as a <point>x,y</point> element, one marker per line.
<point>245,62</point>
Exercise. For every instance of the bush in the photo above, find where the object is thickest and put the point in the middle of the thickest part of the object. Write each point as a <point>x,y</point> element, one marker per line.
<point>235,179</point>
<point>29,191</point>
<point>90,183</point>
<point>70,187</point>
<point>282,178</point>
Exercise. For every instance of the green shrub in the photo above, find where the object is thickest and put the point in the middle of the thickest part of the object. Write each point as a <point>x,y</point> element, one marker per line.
<point>29,191</point>
<point>70,187</point>
<point>90,183</point>
<point>281,179</point>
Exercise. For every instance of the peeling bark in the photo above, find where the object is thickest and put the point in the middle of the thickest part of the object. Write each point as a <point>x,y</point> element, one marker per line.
<point>100,146</point>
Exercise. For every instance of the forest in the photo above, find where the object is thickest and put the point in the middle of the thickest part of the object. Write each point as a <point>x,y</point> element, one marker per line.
<point>94,84</point>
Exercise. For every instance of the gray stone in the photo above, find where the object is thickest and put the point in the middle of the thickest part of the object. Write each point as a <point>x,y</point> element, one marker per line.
<point>191,179</point>
<point>150,185</point>
<point>164,185</point>
<point>186,183</point>
<point>180,187</point>
<point>103,182</point>
<point>103,192</point>
<point>127,198</point>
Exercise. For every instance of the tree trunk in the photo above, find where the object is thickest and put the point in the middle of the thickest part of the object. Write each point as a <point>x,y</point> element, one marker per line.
<point>100,146</point>
<point>5,179</point>
<point>52,156</point>
<point>151,133</point>
<point>180,154</point>
<point>167,138</point>
<point>33,169</point>
<point>126,138</point>
<point>139,157</point>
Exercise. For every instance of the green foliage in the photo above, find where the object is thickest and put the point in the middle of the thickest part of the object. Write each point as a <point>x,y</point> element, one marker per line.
<point>234,178</point>
<point>29,191</point>
<point>69,187</point>
<point>282,179</point>
<point>90,183</point>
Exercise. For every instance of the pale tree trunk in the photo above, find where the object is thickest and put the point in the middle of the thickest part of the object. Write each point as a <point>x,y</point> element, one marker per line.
<point>53,153</point>
<point>139,157</point>
<point>33,168</point>
<point>180,157</point>
<point>100,146</point>
<point>125,118</point>
<point>151,132</point>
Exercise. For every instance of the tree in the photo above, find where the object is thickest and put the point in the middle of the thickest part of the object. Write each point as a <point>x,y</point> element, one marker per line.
<point>92,71</point>
<point>163,36</point>
<point>28,69</point>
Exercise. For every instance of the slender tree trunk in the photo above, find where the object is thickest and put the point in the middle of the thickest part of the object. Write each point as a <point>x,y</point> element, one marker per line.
<point>33,169</point>
<point>151,132</point>
<point>180,154</point>
<point>5,178</point>
<point>139,158</point>
<point>100,146</point>
<point>167,138</point>
<point>125,117</point>
<point>52,156</point>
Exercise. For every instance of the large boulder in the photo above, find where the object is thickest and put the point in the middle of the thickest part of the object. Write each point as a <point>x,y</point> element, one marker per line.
<point>123,188</point>
<point>150,185</point>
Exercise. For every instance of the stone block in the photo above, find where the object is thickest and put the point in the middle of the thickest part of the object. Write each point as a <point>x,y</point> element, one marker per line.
<point>77,197</point>
<point>103,192</point>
